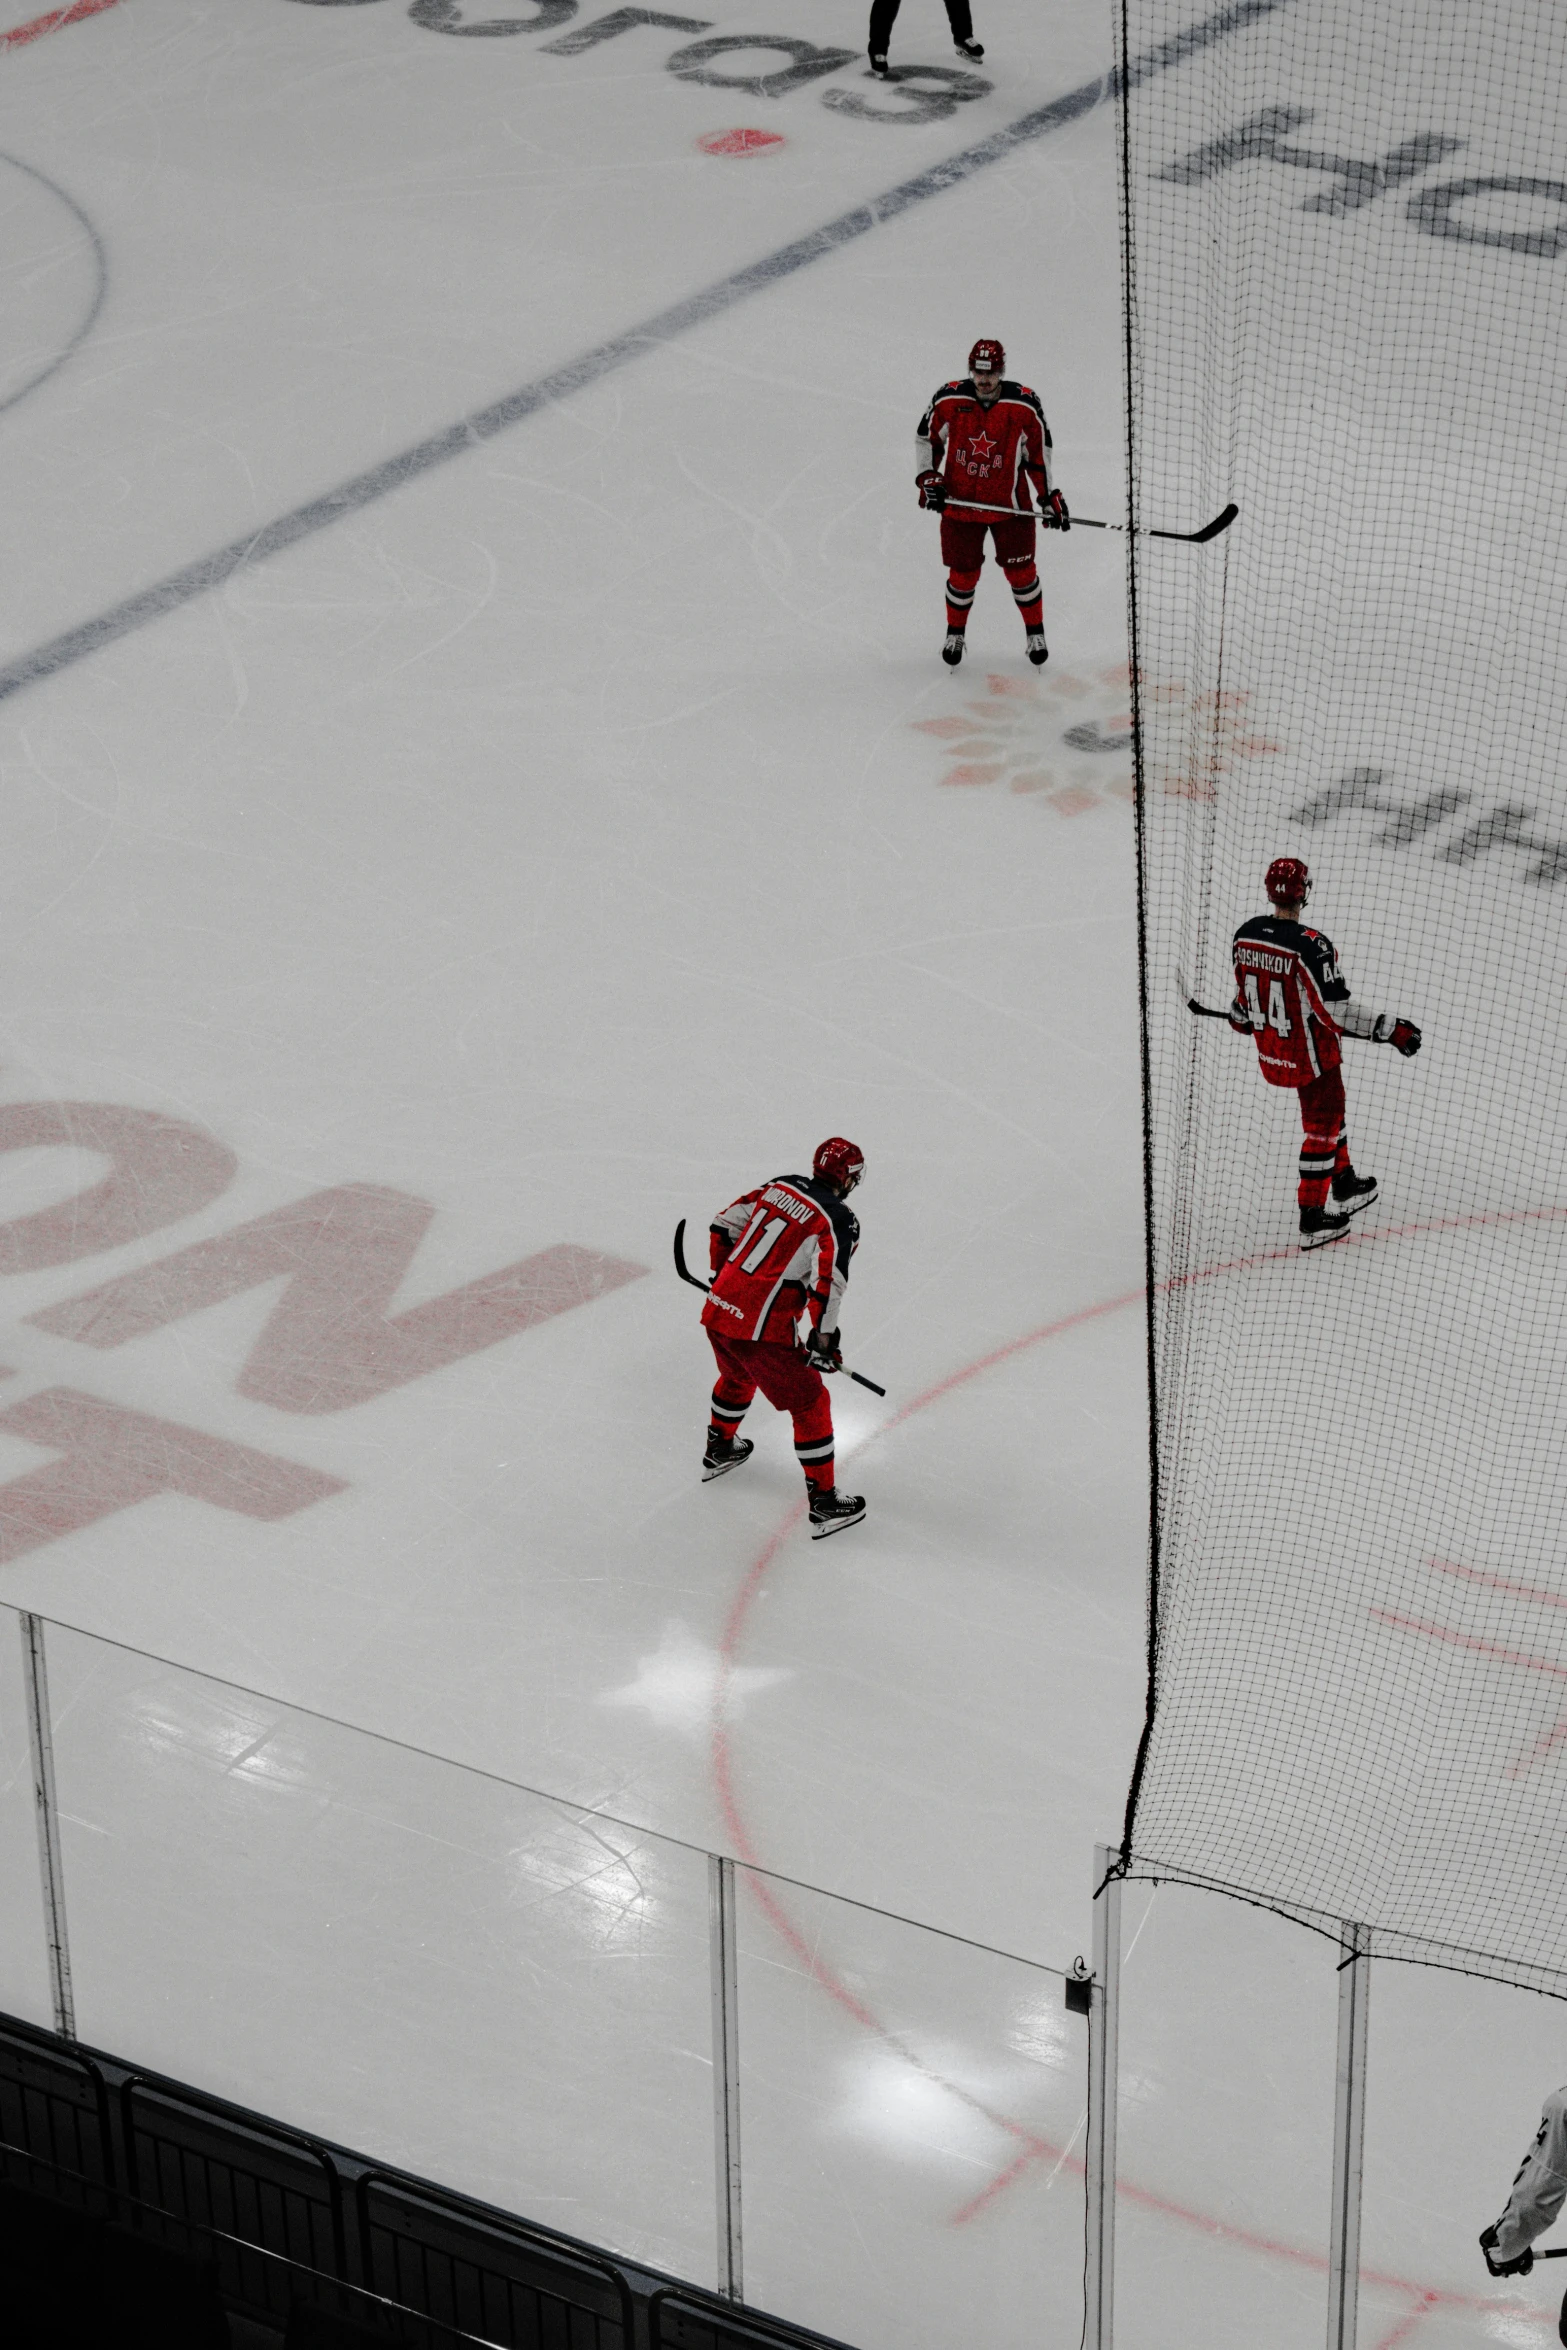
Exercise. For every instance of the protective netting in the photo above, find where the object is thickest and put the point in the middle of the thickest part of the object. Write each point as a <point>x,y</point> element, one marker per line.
<point>1346,251</point>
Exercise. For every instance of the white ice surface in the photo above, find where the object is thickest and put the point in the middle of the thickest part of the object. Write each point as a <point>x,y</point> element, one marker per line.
<point>563,840</point>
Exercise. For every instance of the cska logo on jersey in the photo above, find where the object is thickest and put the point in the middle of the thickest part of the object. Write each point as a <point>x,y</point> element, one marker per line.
<point>984,447</point>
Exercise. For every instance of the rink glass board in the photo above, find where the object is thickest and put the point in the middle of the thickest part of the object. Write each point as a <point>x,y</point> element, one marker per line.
<point>1345,250</point>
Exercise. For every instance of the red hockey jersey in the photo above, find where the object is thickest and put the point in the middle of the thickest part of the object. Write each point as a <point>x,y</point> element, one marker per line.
<point>990,455</point>
<point>1288,991</point>
<point>779,1252</point>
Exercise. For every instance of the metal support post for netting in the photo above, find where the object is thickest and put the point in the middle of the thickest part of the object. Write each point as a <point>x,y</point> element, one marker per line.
<point>1103,2036</point>
<point>726,2071</point>
<point>41,1739</point>
<point>1349,2131</point>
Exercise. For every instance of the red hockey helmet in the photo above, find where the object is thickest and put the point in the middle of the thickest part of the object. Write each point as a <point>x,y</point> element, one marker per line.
<point>1287,882</point>
<point>987,357</point>
<point>843,1161</point>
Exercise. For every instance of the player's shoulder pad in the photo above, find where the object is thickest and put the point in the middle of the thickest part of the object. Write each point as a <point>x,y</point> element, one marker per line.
<point>845,1224</point>
<point>1256,926</point>
<point>953,390</point>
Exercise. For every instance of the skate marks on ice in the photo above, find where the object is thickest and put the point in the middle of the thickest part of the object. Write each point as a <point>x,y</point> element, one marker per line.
<point>470,432</point>
<point>1028,2152</point>
<point>1067,740</point>
<point>330,1339</point>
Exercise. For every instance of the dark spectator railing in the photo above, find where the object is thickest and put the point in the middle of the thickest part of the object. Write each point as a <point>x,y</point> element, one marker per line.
<point>303,2234</point>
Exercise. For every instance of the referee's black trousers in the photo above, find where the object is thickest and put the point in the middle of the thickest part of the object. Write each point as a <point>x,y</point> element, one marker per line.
<point>884,11</point>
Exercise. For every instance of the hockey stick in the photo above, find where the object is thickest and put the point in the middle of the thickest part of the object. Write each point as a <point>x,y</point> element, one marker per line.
<point>706,1286</point>
<point>1203,1011</point>
<point>1193,538</point>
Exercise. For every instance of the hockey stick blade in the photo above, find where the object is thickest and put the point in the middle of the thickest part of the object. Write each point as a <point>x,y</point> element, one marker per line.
<point>1191,538</point>
<point>680,1259</point>
<point>1200,538</point>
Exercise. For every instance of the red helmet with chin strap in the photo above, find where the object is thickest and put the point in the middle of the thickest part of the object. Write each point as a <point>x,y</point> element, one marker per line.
<point>987,357</point>
<point>1287,881</point>
<point>842,1161</point>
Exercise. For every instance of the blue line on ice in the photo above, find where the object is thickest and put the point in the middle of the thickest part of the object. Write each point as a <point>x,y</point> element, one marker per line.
<point>454,440</point>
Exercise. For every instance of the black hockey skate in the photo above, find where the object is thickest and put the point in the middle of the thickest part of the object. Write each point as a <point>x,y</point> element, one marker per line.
<point>878,58</point>
<point>1038,650</point>
<point>1318,1226</point>
<point>970,49</point>
<point>723,1454</point>
<point>831,1512</point>
<point>952,650</point>
<point>1352,1192</point>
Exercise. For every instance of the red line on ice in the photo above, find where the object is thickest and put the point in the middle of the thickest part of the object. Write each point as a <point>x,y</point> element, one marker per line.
<point>1499,1583</point>
<point>55,21</point>
<point>1032,2148</point>
<point>1506,1656</point>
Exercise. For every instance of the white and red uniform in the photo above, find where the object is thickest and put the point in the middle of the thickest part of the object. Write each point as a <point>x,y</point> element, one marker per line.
<point>992,454</point>
<point>1292,999</point>
<point>1540,2189</point>
<point>779,1253</point>
<point>988,454</point>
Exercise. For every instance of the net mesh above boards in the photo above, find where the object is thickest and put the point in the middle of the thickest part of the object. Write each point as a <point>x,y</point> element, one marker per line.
<point>1346,249</point>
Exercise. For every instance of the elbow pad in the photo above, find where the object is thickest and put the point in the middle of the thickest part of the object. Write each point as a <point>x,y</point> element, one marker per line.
<point>1352,1019</point>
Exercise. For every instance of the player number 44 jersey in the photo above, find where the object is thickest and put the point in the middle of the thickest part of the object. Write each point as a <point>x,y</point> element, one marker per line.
<point>779,1252</point>
<point>1288,993</point>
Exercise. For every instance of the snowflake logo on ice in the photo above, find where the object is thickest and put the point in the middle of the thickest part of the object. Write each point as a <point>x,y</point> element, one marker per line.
<point>1068,741</point>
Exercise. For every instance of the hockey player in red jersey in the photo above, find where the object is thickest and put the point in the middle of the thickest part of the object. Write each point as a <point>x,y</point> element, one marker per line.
<point>1293,1000</point>
<point>983,444</point>
<point>780,1252</point>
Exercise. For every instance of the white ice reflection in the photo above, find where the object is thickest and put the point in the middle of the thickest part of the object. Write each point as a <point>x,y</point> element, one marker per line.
<point>908,2112</point>
<point>1041,2030</point>
<point>599,1883</point>
<point>1518,2329</point>
<point>676,1685</point>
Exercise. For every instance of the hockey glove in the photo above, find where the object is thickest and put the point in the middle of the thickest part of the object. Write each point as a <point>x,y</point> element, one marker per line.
<point>823,1352</point>
<point>1405,1038</point>
<point>1055,516</point>
<point>933,490</point>
<point>1506,2268</point>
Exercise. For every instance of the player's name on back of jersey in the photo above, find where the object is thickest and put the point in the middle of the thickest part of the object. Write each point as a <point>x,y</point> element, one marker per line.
<point>1454,827</point>
<point>801,1210</point>
<point>757,64</point>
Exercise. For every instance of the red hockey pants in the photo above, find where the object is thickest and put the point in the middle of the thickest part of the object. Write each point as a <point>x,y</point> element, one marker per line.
<point>790,1385</point>
<point>963,552</point>
<point>1324,1152</point>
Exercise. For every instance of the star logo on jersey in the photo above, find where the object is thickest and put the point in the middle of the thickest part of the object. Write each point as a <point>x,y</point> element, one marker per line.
<point>1067,743</point>
<point>983,446</point>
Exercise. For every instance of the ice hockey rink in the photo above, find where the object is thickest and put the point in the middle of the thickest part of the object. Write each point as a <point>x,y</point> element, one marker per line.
<point>561,824</point>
